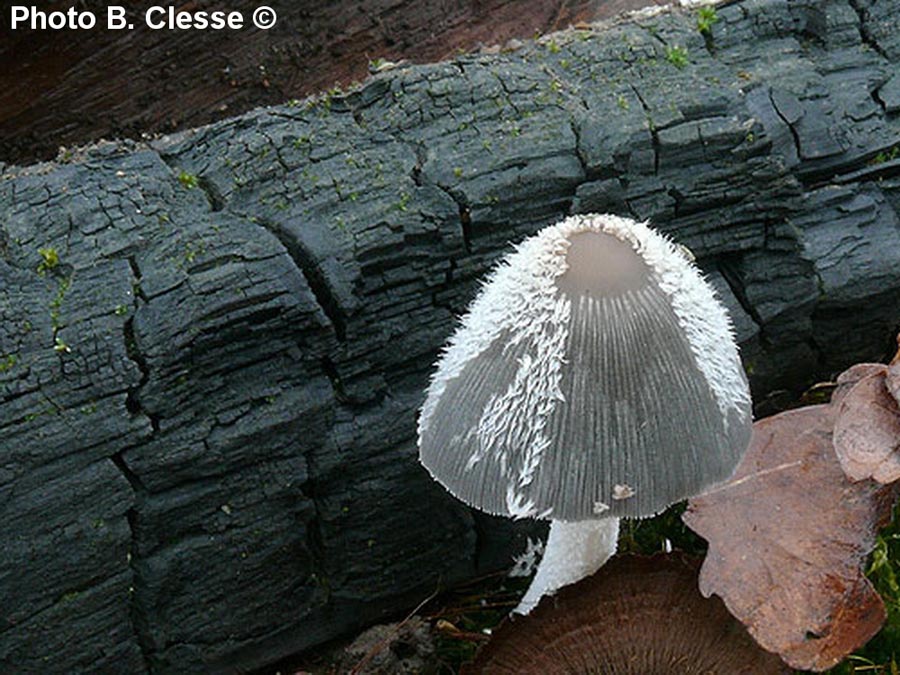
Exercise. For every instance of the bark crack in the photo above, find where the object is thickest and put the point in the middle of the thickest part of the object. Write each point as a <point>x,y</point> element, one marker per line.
<point>313,274</point>
<point>139,621</point>
<point>654,135</point>
<point>787,123</point>
<point>864,33</point>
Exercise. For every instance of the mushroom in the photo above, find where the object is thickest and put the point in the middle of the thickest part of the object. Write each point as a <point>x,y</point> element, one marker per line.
<point>594,377</point>
<point>637,615</point>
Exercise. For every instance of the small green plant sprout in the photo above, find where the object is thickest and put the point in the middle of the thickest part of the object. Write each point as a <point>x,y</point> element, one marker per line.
<point>49,260</point>
<point>8,362</point>
<point>60,347</point>
<point>552,47</point>
<point>706,17</point>
<point>622,102</point>
<point>193,250</point>
<point>677,56</point>
<point>188,180</point>
<point>886,155</point>
<point>121,310</point>
<point>458,172</point>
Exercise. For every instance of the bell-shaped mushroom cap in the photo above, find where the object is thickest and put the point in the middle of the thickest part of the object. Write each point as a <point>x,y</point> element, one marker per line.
<point>594,375</point>
<point>636,616</point>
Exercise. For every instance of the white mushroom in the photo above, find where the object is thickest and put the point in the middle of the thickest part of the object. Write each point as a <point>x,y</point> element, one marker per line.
<point>594,377</point>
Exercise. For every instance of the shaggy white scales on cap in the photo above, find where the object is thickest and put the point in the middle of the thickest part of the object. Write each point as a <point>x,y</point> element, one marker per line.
<point>594,377</point>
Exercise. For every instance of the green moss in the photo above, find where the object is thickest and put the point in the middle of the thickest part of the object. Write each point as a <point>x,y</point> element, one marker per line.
<point>60,347</point>
<point>187,180</point>
<point>49,260</point>
<point>677,56</point>
<point>8,362</point>
<point>886,155</point>
<point>706,17</point>
<point>56,302</point>
<point>30,417</point>
<point>192,250</point>
<point>403,202</point>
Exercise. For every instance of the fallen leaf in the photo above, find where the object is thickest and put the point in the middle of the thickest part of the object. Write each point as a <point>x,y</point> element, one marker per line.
<point>788,537</point>
<point>636,615</point>
<point>867,430</point>
<point>850,377</point>
<point>893,378</point>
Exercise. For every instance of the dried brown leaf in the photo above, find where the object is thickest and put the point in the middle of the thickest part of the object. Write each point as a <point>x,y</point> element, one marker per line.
<point>867,430</point>
<point>636,615</point>
<point>850,377</point>
<point>892,380</point>
<point>788,537</point>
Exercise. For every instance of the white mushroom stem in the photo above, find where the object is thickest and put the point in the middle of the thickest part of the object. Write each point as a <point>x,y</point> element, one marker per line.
<point>573,552</point>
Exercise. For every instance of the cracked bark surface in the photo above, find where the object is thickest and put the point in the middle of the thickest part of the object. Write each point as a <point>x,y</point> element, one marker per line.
<point>222,469</point>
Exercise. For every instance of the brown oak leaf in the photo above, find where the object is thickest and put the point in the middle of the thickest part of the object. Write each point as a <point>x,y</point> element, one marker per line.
<point>867,429</point>
<point>788,537</point>
<point>893,378</point>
